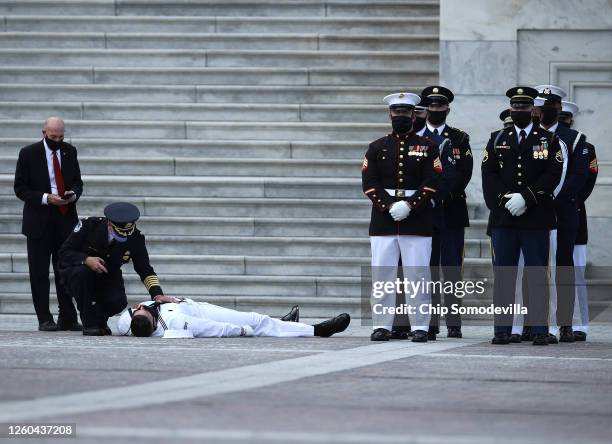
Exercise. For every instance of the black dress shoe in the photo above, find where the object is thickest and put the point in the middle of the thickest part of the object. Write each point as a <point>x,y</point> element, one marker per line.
<point>380,334</point>
<point>69,326</point>
<point>421,336</point>
<point>542,339</point>
<point>431,333</point>
<point>398,334</point>
<point>501,339</point>
<point>332,326</point>
<point>293,315</point>
<point>526,334</point>
<point>93,331</point>
<point>47,326</point>
<point>580,336</point>
<point>454,332</point>
<point>566,334</point>
<point>107,330</point>
<point>515,338</point>
<point>552,339</point>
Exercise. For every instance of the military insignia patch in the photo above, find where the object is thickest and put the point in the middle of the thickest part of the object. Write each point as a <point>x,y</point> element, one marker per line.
<point>593,166</point>
<point>559,156</point>
<point>78,226</point>
<point>468,153</point>
<point>364,166</point>
<point>486,157</point>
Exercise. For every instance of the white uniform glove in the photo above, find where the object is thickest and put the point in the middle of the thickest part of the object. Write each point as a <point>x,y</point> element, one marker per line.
<point>516,205</point>
<point>399,210</point>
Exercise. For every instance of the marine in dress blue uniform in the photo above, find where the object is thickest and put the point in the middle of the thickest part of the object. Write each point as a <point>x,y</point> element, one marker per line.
<point>520,169</point>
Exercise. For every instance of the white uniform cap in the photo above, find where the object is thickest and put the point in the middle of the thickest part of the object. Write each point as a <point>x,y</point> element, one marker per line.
<point>538,101</point>
<point>402,99</point>
<point>569,107</point>
<point>544,90</point>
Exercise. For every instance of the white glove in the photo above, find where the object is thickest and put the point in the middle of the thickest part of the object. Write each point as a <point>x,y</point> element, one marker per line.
<point>399,210</point>
<point>516,205</point>
<point>247,330</point>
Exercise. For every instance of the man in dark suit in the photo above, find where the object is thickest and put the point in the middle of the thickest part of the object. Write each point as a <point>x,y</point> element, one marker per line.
<point>48,180</point>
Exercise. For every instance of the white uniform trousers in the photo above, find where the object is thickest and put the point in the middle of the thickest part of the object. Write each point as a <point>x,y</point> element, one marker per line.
<point>581,307</point>
<point>415,252</point>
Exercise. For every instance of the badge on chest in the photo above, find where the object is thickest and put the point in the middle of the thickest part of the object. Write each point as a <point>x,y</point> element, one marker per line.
<point>541,151</point>
<point>417,150</point>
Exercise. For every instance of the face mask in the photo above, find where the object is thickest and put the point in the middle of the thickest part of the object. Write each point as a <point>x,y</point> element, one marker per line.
<point>521,118</point>
<point>419,123</point>
<point>118,238</point>
<point>401,124</point>
<point>436,117</point>
<point>549,115</point>
<point>52,144</point>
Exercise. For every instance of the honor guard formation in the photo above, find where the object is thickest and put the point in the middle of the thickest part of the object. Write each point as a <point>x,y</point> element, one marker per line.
<point>537,173</point>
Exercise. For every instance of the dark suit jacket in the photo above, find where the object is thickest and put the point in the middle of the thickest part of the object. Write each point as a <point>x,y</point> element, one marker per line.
<point>32,181</point>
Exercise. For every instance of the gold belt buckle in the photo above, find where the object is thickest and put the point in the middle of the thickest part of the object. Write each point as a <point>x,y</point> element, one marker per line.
<point>400,193</point>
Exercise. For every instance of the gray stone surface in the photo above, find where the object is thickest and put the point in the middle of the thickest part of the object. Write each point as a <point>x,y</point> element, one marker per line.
<point>464,391</point>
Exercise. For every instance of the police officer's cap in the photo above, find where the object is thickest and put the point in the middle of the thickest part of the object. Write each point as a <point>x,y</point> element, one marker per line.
<point>402,100</point>
<point>521,96</point>
<point>438,95</point>
<point>569,108</point>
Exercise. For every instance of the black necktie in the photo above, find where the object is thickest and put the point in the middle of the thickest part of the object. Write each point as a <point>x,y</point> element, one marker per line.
<point>436,132</point>
<point>523,136</point>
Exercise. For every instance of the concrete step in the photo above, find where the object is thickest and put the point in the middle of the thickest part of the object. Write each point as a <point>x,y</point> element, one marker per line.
<point>62,7</point>
<point>245,24</point>
<point>219,58</point>
<point>178,148</point>
<point>26,82</point>
<point>198,41</point>
<point>257,246</point>
<point>222,207</point>
<point>195,112</point>
<point>312,307</point>
<point>113,129</point>
<point>256,265</point>
<point>248,226</point>
<point>280,94</point>
<point>343,8</point>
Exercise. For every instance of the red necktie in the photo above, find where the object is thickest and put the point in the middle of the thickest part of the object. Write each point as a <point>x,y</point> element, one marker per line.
<point>59,181</point>
<point>523,136</point>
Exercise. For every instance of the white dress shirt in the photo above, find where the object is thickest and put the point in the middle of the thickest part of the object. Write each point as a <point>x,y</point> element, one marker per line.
<point>49,156</point>
<point>527,130</point>
<point>432,128</point>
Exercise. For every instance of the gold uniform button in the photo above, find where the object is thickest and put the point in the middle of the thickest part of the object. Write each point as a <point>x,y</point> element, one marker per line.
<point>401,180</point>
<point>401,172</point>
<point>402,149</point>
<point>401,156</point>
<point>519,157</point>
<point>519,174</point>
<point>519,165</point>
<point>402,142</point>
<point>519,183</point>
<point>401,164</point>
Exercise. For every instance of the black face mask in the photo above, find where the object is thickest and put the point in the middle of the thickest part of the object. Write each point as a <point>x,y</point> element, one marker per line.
<point>52,144</point>
<point>521,118</point>
<point>549,115</point>
<point>436,117</point>
<point>419,123</point>
<point>401,124</point>
<point>565,124</point>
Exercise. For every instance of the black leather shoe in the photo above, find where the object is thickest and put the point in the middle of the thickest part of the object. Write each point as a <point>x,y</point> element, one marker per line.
<point>93,331</point>
<point>501,339</point>
<point>332,326</point>
<point>431,333</point>
<point>542,339</point>
<point>566,334</point>
<point>47,326</point>
<point>454,332</point>
<point>515,338</point>
<point>421,336</point>
<point>398,334</point>
<point>380,334</point>
<point>69,326</point>
<point>552,339</point>
<point>526,334</point>
<point>107,330</point>
<point>293,315</point>
<point>580,336</point>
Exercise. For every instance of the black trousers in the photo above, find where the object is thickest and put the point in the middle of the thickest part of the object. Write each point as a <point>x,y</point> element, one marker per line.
<point>99,296</point>
<point>40,251</point>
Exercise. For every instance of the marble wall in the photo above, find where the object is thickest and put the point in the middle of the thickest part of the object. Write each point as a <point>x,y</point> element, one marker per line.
<point>488,46</point>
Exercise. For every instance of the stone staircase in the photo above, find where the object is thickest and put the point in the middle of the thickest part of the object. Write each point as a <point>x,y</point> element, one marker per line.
<point>237,127</point>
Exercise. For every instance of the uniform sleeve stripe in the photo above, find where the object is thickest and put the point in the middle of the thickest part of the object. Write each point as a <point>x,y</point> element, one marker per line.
<point>431,190</point>
<point>370,190</point>
<point>151,281</point>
